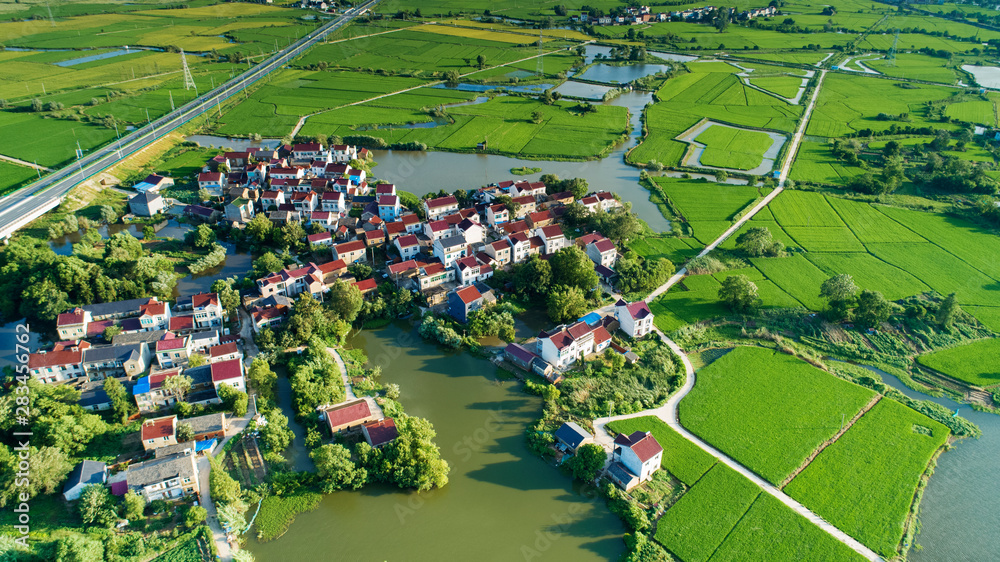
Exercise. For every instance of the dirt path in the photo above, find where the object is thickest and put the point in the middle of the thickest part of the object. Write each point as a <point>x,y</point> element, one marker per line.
<point>831,441</point>
<point>19,162</point>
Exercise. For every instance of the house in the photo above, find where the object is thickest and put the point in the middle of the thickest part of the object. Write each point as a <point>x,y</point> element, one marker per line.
<point>603,252</point>
<point>211,180</point>
<point>321,240</point>
<point>561,198</point>
<point>224,352</point>
<point>348,415</point>
<point>208,311</point>
<point>202,213</point>
<point>158,432</point>
<point>472,231</point>
<point>228,372</point>
<point>435,208</point>
<point>463,301</point>
<point>334,202</point>
<point>239,210</point>
<point>292,282</point>
<point>366,286</point>
<point>539,219</point>
<point>117,309</point>
<point>374,237</point>
<point>563,346</point>
<point>520,246</point>
<point>514,227</point>
<point>408,246</point>
<point>154,315</point>
<point>150,396</point>
<point>210,426</point>
<point>86,473</point>
<point>201,341</point>
<point>388,207</point>
<point>469,270</point>
<point>308,151</point>
<point>268,317</point>
<point>378,433</point>
<point>500,251</point>
<point>437,229</point>
<point>163,478</point>
<point>343,152</point>
<point>638,456</point>
<point>326,219</point>
<point>450,248</point>
<point>400,272</point>
<point>412,223</point>
<point>131,359</point>
<point>519,355</point>
<point>146,204</point>
<point>338,171</point>
<point>172,350</point>
<point>269,199</point>
<point>56,366</point>
<point>385,189</point>
<point>357,177</point>
<point>573,436</point>
<point>286,173</point>
<point>553,238</point>
<point>72,325</point>
<point>497,215</point>
<point>350,252</point>
<point>305,202</point>
<point>635,318</point>
<point>525,205</point>
<point>433,275</point>
<point>394,230</point>
<point>153,183</point>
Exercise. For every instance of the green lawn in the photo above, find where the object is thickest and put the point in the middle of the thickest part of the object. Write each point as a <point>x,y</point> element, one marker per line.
<point>698,523</point>
<point>768,410</point>
<point>682,458</point>
<point>976,363</point>
<point>726,147</point>
<point>864,483</point>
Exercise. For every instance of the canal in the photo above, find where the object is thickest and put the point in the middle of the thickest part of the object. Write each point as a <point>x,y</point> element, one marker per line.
<point>501,503</point>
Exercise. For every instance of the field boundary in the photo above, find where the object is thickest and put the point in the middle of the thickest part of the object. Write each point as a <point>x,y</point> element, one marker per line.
<point>871,404</point>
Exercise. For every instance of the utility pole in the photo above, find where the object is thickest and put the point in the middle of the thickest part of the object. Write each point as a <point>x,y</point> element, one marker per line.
<point>119,141</point>
<point>37,169</point>
<point>172,108</point>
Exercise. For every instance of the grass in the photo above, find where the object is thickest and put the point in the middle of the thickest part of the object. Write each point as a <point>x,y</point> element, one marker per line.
<point>49,141</point>
<point>14,175</point>
<point>825,238</point>
<point>800,208</point>
<point>797,276</point>
<point>187,551</point>
<point>726,147</point>
<point>682,458</point>
<point>701,200</point>
<point>784,86</point>
<point>870,225</point>
<point>989,316</point>
<point>277,513</point>
<point>815,163</point>
<point>941,271</point>
<point>864,483</point>
<point>674,249</point>
<point>976,363</point>
<point>918,67</point>
<point>871,273</point>
<point>770,530</point>
<point>768,410</point>
<point>700,521</point>
<point>790,57</point>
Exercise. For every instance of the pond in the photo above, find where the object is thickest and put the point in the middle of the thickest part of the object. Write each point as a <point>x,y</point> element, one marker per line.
<point>524,88</point>
<point>91,58</point>
<point>583,90</point>
<point>64,244</point>
<point>986,76</point>
<point>236,264</point>
<point>958,516</point>
<point>501,502</point>
<point>610,74</point>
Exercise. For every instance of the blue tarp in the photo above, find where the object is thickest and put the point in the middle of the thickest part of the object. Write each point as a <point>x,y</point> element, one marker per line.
<point>141,386</point>
<point>200,446</point>
<point>591,319</point>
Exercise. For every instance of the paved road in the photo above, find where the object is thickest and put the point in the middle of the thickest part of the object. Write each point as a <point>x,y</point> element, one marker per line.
<point>18,209</point>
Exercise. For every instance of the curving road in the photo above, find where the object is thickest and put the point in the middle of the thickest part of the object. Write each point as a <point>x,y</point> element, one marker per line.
<point>27,204</point>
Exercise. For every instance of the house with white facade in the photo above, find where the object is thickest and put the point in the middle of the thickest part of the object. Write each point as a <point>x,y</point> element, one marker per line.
<point>334,202</point>
<point>450,248</point>
<point>497,215</point>
<point>435,208</point>
<point>408,246</point>
<point>635,318</point>
<point>566,344</point>
<point>553,238</point>
<point>634,459</point>
<point>603,252</point>
<point>208,311</point>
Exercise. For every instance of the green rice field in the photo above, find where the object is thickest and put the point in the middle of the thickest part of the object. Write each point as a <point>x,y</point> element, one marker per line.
<point>784,86</point>
<point>815,163</point>
<point>871,273</point>
<point>800,208</point>
<point>976,363</point>
<point>738,149</point>
<point>13,175</point>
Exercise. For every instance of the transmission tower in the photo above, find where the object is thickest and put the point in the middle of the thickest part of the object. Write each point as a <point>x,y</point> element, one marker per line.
<point>890,58</point>
<point>540,66</point>
<point>188,79</point>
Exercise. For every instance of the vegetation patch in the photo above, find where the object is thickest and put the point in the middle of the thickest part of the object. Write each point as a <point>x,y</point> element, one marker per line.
<point>277,513</point>
<point>726,147</point>
<point>977,363</point>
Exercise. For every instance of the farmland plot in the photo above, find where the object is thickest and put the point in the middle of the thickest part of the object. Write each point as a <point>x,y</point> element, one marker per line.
<point>976,363</point>
<point>739,149</point>
<point>870,273</point>
<point>825,238</point>
<point>796,276</point>
<point>784,86</point>
<point>974,245</point>
<point>800,208</point>
<point>871,226</point>
<point>941,271</point>
<point>815,163</point>
<point>700,200</point>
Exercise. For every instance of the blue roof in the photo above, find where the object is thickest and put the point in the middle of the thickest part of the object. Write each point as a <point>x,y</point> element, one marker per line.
<point>591,319</point>
<point>208,444</point>
<point>572,434</point>
<point>141,386</point>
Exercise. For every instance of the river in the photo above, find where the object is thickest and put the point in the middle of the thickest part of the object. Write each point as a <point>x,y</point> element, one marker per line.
<point>958,516</point>
<point>501,503</point>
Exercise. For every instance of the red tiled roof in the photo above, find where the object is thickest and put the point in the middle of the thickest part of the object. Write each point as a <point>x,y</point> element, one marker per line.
<point>388,201</point>
<point>395,227</point>
<point>400,267</point>
<point>433,268</point>
<point>269,195</point>
<point>466,262</point>
<point>644,445</point>
<point>348,413</point>
<point>162,427</point>
<point>469,294</point>
<point>348,247</point>
<point>604,245</point>
<point>552,231</point>
<point>222,350</point>
<point>525,200</point>
<point>71,318</point>
<point>319,237</point>
<point>517,226</point>
<point>269,313</point>
<point>639,310</point>
<point>578,330</point>
<point>180,323</point>
<point>540,216</point>
<point>225,370</point>
<point>441,202</point>
<point>372,235</point>
<point>407,241</point>
<point>307,147</point>
<point>153,309</point>
<point>331,266</point>
<point>204,299</point>
<point>169,344</point>
<point>382,431</point>
<point>366,285</point>
<point>500,244</point>
<point>54,358</point>
<point>210,176</point>
<point>601,335</point>
<point>410,219</point>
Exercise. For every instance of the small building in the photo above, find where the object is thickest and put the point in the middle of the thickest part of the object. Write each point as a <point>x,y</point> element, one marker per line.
<point>87,473</point>
<point>202,213</point>
<point>350,252</point>
<point>239,210</point>
<point>153,183</point>
<point>211,426</point>
<point>388,207</point>
<point>320,240</point>
<point>380,433</point>
<point>211,180</point>
<point>146,204</point>
<point>438,207</point>
<point>348,415</point>
<point>635,318</point>
<point>640,456</point>
<point>158,432</point>
<point>573,436</point>
<point>519,355</point>
<point>463,301</point>
<point>166,478</point>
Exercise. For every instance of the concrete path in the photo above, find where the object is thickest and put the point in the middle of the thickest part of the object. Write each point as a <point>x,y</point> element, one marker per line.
<point>348,389</point>
<point>20,162</point>
<point>205,499</point>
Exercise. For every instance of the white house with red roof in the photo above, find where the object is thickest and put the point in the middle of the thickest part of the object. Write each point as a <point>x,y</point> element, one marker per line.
<point>270,199</point>
<point>437,229</point>
<point>334,202</point>
<point>211,180</point>
<point>72,325</point>
<point>408,246</point>
<point>553,238</point>
<point>440,206</point>
<point>224,352</point>
<point>292,282</point>
<point>469,270</point>
<point>286,173</point>
<point>350,252</point>
<point>326,219</point>
<point>380,433</point>
<point>412,223</point>
<point>635,318</point>
<point>343,152</point>
<point>337,171</point>
<point>56,366</point>
<point>639,454</point>
<point>154,315</point>
<point>305,203</point>
<point>208,311</point>
<point>603,252</point>
<point>320,240</point>
<point>566,344</point>
<point>433,275</point>
<point>158,432</point>
<point>385,189</point>
<point>308,151</point>
<point>497,215</point>
<point>172,350</point>
<point>229,372</point>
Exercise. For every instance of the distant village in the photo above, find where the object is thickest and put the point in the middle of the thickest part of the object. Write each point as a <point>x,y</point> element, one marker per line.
<point>634,15</point>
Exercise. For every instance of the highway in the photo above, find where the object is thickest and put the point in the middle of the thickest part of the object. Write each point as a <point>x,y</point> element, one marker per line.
<point>27,204</point>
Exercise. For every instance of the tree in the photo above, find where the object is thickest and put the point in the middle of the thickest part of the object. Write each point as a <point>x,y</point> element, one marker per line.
<point>196,360</point>
<point>266,264</point>
<point>229,297</point>
<point>234,399</point>
<point>205,195</point>
<point>231,516</point>
<point>451,78</point>
<point>200,237</point>
<point>537,117</point>
<point>336,470</point>
<point>276,435</point>
<point>108,214</point>
<point>292,235</point>
<point>533,276</point>
<point>195,516</point>
<point>587,462</point>
<point>70,433</point>
<point>133,506</point>
<point>839,291</point>
<point>346,300</point>
<point>148,233</point>
<point>757,241</point>
<point>262,378</point>
<point>222,486</point>
<point>121,401</point>
<point>37,105</point>
<point>566,304</point>
<point>721,176</point>
<point>185,432</point>
<point>259,228</point>
<point>481,62</point>
<point>948,312</point>
<point>96,507</point>
<point>177,385</point>
<point>739,293</point>
<point>872,309</point>
<point>78,548</point>
<point>572,267</point>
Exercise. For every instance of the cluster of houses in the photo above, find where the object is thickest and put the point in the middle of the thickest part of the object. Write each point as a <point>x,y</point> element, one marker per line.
<point>634,15</point>
<point>634,457</point>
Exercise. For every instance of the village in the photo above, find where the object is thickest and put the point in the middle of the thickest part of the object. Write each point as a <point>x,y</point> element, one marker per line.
<point>636,15</point>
